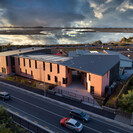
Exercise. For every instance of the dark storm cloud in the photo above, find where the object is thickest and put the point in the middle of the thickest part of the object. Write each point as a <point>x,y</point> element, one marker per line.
<point>41,12</point>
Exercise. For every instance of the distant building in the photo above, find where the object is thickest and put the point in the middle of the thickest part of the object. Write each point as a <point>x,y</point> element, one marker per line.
<point>96,71</point>
<point>125,62</point>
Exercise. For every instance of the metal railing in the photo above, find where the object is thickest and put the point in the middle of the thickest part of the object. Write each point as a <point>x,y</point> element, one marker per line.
<point>27,124</point>
<point>73,95</point>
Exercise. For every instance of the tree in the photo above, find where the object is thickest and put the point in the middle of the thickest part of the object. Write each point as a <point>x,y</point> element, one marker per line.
<point>99,42</point>
<point>124,39</point>
<point>126,102</point>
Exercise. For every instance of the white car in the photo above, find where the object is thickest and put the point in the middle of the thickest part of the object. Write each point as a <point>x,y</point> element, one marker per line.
<point>4,96</point>
<point>71,124</point>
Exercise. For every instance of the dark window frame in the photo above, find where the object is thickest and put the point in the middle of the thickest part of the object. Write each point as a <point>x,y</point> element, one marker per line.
<point>26,71</point>
<point>18,61</point>
<point>65,80</point>
<point>58,68</point>
<point>56,79</point>
<point>31,73</point>
<point>6,60</point>
<point>89,77</point>
<point>35,64</point>
<point>29,63</point>
<point>92,90</point>
<point>3,70</point>
<point>50,67</point>
<point>24,61</point>
<point>44,66</point>
<point>49,78</point>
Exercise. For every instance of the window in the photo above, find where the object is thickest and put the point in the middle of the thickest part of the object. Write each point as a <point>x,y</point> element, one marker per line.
<point>20,70</point>
<point>25,71</point>
<point>58,69</point>
<point>89,77</point>
<point>64,80</point>
<point>43,65</point>
<point>29,63</point>
<point>19,61</point>
<point>48,77</point>
<point>50,67</point>
<point>92,90</point>
<point>24,61</point>
<point>56,79</point>
<point>6,61</point>
<point>35,64</point>
<point>68,70</point>
<point>31,73</point>
<point>3,70</point>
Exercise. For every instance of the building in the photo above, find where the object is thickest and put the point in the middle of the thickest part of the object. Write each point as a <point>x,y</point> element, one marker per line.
<point>96,71</point>
<point>125,62</point>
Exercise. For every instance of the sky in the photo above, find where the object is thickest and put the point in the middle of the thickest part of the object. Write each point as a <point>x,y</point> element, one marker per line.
<point>66,13</point>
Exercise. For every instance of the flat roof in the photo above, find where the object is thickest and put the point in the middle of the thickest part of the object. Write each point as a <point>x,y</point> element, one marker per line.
<point>20,51</point>
<point>46,57</point>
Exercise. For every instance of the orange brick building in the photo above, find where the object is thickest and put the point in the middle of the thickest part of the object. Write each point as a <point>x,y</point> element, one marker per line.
<point>96,71</point>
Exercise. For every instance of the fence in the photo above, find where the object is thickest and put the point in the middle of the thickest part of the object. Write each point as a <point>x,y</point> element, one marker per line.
<point>28,124</point>
<point>73,96</point>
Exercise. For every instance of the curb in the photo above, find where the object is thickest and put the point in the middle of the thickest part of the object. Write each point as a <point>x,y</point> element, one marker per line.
<point>70,106</point>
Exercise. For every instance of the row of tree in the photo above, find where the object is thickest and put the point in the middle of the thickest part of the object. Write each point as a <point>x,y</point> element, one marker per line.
<point>7,125</point>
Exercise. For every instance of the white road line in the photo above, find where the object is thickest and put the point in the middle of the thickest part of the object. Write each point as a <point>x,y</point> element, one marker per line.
<point>34,117</point>
<point>52,112</point>
<point>38,107</point>
<point>92,129</point>
<point>113,131</point>
<point>69,106</point>
<point>23,92</point>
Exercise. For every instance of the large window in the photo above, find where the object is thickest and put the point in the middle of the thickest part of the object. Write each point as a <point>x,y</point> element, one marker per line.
<point>89,77</point>
<point>35,64</point>
<point>6,61</point>
<point>48,77</point>
<point>50,67</point>
<point>31,73</point>
<point>19,61</point>
<point>24,61</point>
<point>25,71</point>
<point>56,79</point>
<point>58,69</point>
<point>43,65</point>
<point>3,70</point>
<point>29,63</point>
<point>64,80</point>
<point>92,90</point>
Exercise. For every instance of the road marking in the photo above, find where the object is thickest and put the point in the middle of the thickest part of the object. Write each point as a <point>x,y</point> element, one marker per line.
<point>40,97</point>
<point>92,129</point>
<point>38,107</point>
<point>113,131</point>
<point>35,117</point>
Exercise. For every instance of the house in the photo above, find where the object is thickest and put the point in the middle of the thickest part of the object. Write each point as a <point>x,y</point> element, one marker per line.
<point>96,71</point>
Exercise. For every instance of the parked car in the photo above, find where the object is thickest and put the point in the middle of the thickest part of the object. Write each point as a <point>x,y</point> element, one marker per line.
<point>4,96</point>
<point>71,124</point>
<point>79,115</point>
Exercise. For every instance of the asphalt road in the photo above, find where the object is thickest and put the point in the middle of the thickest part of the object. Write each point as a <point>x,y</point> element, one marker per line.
<point>49,113</point>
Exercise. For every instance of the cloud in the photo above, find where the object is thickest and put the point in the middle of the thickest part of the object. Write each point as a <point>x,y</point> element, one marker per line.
<point>125,6</point>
